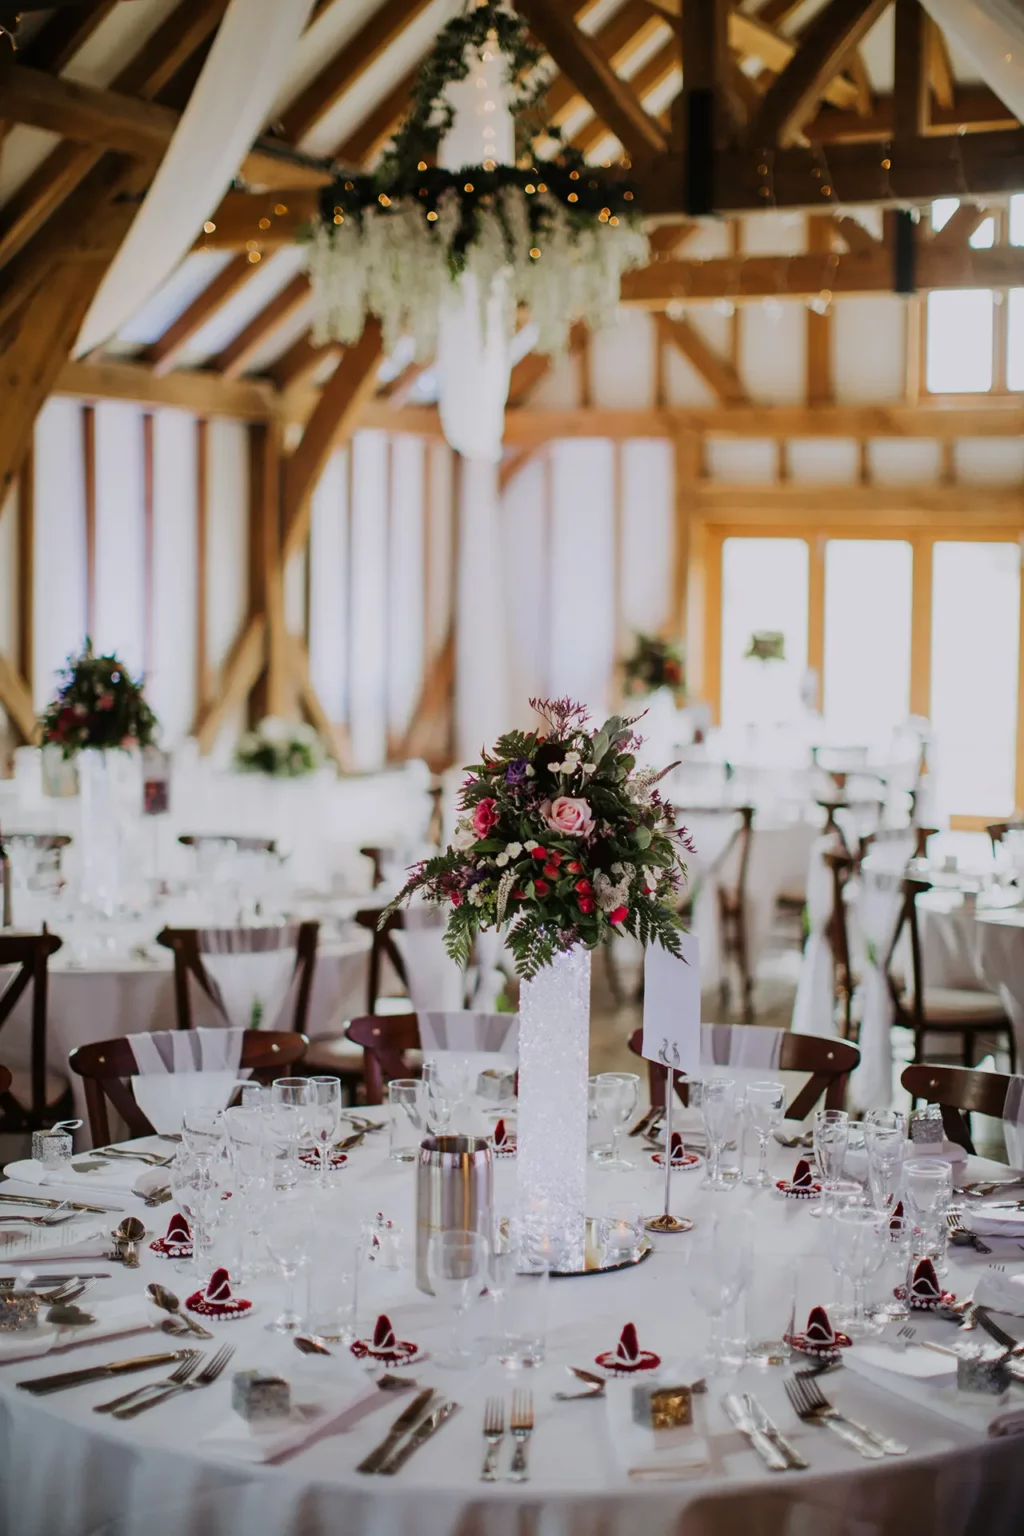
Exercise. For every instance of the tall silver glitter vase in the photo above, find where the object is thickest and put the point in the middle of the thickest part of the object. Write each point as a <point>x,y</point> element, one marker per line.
<point>454,1192</point>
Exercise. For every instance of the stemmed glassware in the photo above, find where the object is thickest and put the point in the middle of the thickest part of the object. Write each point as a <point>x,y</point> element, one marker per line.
<point>197,1194</point>
<point>457,1268</point>
<point>441,1097</point>
<point>250,1161</point>
<point>928,1185</point>
<point>623,1089</point>
<point>202,1131</point>
<point>291,1099</point>
<point>831,1133</point>
<point>885,1133</point>
<point>289,1236</point>
<point>325,1119</point>
<point>861,1235</point>
<point>718,1110</point>
<point>719,1269</point>
<point>766,1106</point>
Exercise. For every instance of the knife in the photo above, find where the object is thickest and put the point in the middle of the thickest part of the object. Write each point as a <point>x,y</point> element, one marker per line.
<point>405,1421</point>
<point>769,1453</point>
<point>72,1205</point>
<point>419,1437</point>
<point>995,1332</point>
<point>44,1282</point>
<point>40,1385</point>
<point>767,1427</point>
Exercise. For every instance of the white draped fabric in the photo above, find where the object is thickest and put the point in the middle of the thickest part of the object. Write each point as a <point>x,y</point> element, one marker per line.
<point>180,1069</point>
<point>434,980</point>
<point>814,1005</point>
<point>878,902</point>
<point>1013,1122</point>
<point>482,703</point>
<point>991,33</point>
<point>740,1045</point>
<point>250,971</point>
<point>229,105</point>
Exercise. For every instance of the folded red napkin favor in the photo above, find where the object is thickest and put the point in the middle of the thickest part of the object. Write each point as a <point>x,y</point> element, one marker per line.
<point>312,1159</point>
<point>503,1142</point>
<point>627,1356</point>
<point>897,1215</point>
<point>384,1347</point>
<point>819,1338</point>
<point>926,1294</point>
<point>178,1242</point>
<point>680,1157</point>
<point>802,1186</point>
<point>217,1301</point>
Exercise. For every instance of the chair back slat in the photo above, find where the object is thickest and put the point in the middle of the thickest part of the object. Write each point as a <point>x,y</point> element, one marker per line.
<point>107,1067</point>
<point>31,953</point>
<point>959,1092</point>
<point>241,844</point>
<point>829,1063</point>
<point>385,1039</point>
<point>383,946</point>
<point>5,1080</point>
<point>184,944</point>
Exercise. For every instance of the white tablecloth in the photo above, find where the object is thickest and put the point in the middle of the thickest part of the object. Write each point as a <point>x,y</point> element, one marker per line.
<point>999,949</point>
<point>64,1471</point>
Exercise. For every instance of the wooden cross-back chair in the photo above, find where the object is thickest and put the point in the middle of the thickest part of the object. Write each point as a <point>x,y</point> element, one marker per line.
<point>5,1080</point>
<point>386,1039</point>
<point>998,830</point>
<point>241,844</point>
<point>32,1099</point>
<point>188,961</point>
<point>828,1062</point>
<point>959,1092</point>
<point>41,842</point>
<point>947,1011</point>
<point>106,1068</point>
<point>731,897</point>
<point>383,946</point>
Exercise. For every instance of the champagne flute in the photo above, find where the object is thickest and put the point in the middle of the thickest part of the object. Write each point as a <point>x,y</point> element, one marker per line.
<point>718,1110</point>
<point>290,1102</point>
<point>325,1119</point>
<point>289,1235</point>
<point>766,1106</point>
<point>831,1133</point>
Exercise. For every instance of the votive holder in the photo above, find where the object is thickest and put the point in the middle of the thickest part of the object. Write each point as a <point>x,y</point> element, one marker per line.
<point>52,1149</point>
<point>19,1310</point>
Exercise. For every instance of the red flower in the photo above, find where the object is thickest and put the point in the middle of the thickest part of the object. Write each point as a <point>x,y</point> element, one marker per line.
<point>586,905</point>
<point>105,701</point>
<point>554,858</point>
<point>456,899</point>
<point>574,866</point>
<point>538,853</point>
<point>518,895</point>
<point>541,887</point>
<point>485,817</point>
<point>619,915</point>
<point>551,871</point>
<point>584,887</point>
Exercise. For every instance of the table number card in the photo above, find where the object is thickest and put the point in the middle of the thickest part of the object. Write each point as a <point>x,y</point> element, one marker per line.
<point>672,1006</point>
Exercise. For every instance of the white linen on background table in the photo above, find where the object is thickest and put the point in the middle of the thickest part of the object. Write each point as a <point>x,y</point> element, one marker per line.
<point>64,1471</point>
<point>999,949</point>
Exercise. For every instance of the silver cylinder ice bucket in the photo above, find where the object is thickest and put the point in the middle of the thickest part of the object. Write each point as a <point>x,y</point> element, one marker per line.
<point>454,1192</point>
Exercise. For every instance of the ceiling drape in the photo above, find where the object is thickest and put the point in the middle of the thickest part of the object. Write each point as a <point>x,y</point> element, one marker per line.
<point>991,33</point>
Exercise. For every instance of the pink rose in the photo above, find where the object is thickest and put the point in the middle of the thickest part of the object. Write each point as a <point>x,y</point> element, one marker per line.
<point>484,817</point>
<point>569,816</point>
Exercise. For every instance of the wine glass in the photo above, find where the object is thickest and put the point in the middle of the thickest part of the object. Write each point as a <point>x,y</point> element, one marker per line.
<point>886,1146</point>
<point>250,1161</point>
<point>719,1268</point>
<point>325,1119</point>
<point>766,1105</point>
<point>928,1185</point>
<point>290,1101</point>
<point>624,1090</point>
<point>601,1099</point>
<point>457,1269</point>
<point>831,1133</point>
<point>289,1235</point>
<point>197,1193</point>
<point>718,1110</point>
<point>202,1130</point>
<point>861,1236</point>
<point>441,1097</point>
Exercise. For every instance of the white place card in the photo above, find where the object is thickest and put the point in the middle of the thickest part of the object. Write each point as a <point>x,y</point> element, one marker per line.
<point>672,1006</point>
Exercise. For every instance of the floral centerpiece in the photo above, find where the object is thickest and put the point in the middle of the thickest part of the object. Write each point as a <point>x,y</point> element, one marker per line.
<point>98,704</point>
<point>655,663</point>
<point>282,749</point>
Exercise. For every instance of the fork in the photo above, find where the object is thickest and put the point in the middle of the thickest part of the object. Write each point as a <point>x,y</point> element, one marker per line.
<point>181,1373</point>
<point>522,1429</point>
<point>206,1377</point>
<point>963,1235</point>
<point>494,1434</point>
<point>812,1405</point>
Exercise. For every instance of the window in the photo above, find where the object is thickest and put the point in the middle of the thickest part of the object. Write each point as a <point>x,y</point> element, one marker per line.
<point>1017,219</point>
<point>959,341</point>
<point>866,691</point>
<point>1015,339</point>
<point>764,589</point>
<point>974,662</point>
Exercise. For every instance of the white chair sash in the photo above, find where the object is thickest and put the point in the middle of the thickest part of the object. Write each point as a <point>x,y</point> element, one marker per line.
<point>740,1045</point>
<point>481,1041</point>
<point>434,980</point>
<point>250,971</point>
<point>714,862</point>
<point>814,1011</point>
<point>1013,1122</point>
<point>180,1069</point>
<point>878,902</point>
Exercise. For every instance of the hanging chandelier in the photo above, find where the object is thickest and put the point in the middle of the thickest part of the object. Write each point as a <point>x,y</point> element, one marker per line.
<point>462,226</point>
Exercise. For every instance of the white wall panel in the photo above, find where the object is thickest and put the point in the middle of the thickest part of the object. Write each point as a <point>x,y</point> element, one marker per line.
<point>904,460</point>
<point>527,577</point>
<point>119,600</point>
<point>171,680</point>
<point>683,384</point>
<point>996,460</point>
<point>59,565</point>
<point>773,344</point>
<point>868,348</point>
<point>369,661</point>
<point>645,550</point>
<point>833,460</point>
<point>405,577</point>
<point>439,543</point>
<point>582,592</point>
<point>9,596</point>
<point>227,537</point>
<point>745,460</point>
<point>774,233</point>
<point>622,361</point>
<point>329,587</point>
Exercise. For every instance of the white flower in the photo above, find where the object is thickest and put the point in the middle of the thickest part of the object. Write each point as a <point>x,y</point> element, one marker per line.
<point>530,845</point>
<point>273,729</point>
<point>515,849</point>
<point>589,767</point>
<point>464,837</point>
<point>501,860</point>
<point>530,773</point>
<point>570,765</point>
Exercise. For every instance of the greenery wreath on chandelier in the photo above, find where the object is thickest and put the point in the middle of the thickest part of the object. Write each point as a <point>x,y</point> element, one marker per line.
<point>395,242</point>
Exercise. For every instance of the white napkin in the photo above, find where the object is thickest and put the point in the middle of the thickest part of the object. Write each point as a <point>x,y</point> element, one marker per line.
<point>913,1363</point>
<point>120,1176</point>
<point>315,1408</point>
<point>85,1237</point>
<point>855,1164</point>
<point>990,1223</point>
<point>1001,1292</point>
<point>938,1394</point>
<point>663,1451</point>
<point>123,1314</point>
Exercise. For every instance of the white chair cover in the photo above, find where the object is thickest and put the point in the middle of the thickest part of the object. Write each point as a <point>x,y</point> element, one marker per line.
<point>740,1045</point>
<point>713,862</point>
<point>180,1069</point>
<point>481,1042</point>
<point>250,971</point>
<point>877,903</point>
<point>434,980</point>
<point>1013,1122</point>
<point>814,1011</point>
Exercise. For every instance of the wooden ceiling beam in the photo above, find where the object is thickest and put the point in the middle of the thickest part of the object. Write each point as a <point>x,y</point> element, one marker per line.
<point>940,69</point>
<point>618,39</point>
<point>203,394</point>
<point>163,354</point>
<point>825,44</point>
<point>649,77</point>
<point>301,362</point>
<point>910,101</point>
<point>579,57</point>
<point>975,109</point>
<point>234,359</point>
<point>63,34</point>
<point>718,372</point>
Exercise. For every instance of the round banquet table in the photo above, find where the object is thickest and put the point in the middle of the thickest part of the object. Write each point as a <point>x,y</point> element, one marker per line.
<point>999,949</point>
<point>65,1471</point>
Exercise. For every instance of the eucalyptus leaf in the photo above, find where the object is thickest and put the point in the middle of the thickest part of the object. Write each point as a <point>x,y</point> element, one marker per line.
<point>642,837</point>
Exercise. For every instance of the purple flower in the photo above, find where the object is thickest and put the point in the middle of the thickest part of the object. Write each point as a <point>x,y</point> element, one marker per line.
<point>515,773</point>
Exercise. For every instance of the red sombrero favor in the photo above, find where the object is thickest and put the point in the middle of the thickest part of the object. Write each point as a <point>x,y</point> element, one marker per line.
<point>926,1294</point>
<point>384,1348</point>
<point>627,1357</point>
<point>680,1157</point>
<point>503,1141</point>
<point>802,1186</point>
<point>217,1301</point>
<point>819,1338</point>
<point>178,1242</point>
<point>312,1160</point>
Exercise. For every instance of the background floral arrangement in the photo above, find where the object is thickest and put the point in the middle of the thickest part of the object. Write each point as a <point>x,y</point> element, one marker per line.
<point>395,242</point>
<point>97,705</point>
<point>283,749</point>
<point>654,664</point>
<point>562,837</point>
<point>766,645</point>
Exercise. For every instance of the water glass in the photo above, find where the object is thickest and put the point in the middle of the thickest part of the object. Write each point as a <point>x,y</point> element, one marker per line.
<point>831,1133</point>
<point>621,1231</point>
<point>770,1308</point>
<point>518,1300</point>
<point>291,1099</point>
<point>624,1090</point>
<point>601,1103</point>
<point>891,1290</point>
<point>331,1276</point>
<point>202,1130</point>
<point>457,1266</point>
<point>289,1235</point>
<point>407,1128</point>
<point>718,1110</point>
<point>928,1188</point>
<point>441,1097</point>
<point>197,1194</point>
<point>719,1268</point>
<point>886,1148</point>
<point>765,1108</point>
<point>324,1118</point>
<point>861,1236</point>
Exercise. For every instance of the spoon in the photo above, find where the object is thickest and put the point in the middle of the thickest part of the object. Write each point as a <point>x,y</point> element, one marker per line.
<point>160,1196</point>
<point>67,1315</point>
<point>128,1236</point>
<point>310,1344</point>
<point>168,1302</point>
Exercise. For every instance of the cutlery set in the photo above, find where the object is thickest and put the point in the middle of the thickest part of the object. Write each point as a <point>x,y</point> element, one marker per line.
<point>811,1405</point>
<point>751,1420</point>
<point>521,1428</point>
<point>414,1426</point>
